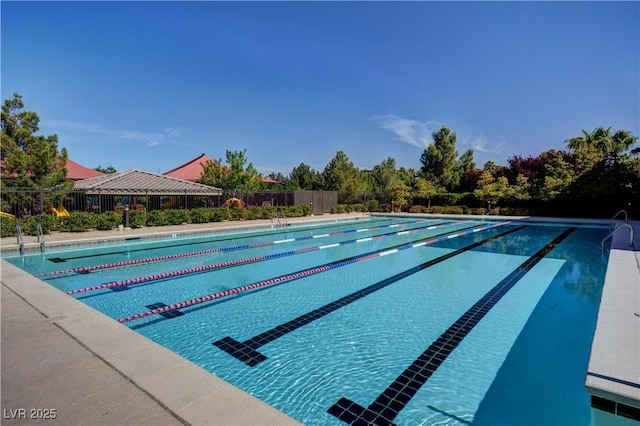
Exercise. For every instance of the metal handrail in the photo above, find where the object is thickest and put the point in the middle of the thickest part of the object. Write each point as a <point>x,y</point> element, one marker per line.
<point>40,236</point>
<point>626,218</point>
<point>624,225</point>
<point>280,214</point>
<point>20,238</point>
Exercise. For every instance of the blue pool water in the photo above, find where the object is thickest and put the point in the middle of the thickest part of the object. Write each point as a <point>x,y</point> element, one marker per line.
<point>400,320</point>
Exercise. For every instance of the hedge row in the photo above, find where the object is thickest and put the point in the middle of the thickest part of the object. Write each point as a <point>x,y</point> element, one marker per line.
<point>82,221</point>
<point>505,211</point>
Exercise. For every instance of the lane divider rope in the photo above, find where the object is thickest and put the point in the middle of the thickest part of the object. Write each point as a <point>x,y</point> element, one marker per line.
<point>205,268</point>
<point>290,277</point>
<point>87,269</point>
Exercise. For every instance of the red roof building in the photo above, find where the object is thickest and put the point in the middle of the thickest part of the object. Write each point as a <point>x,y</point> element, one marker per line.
<point>191,170</point>
<point>77,172</point>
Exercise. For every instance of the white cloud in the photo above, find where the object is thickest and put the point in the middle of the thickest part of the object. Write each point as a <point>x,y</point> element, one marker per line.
<point>150,139</point>
<point>479,142</point>
<point>413,132</point>
<point>419,134</point>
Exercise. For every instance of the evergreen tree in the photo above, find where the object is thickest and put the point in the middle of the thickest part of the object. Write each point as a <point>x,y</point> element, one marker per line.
<point>439,160</point>
<point>28,160</point>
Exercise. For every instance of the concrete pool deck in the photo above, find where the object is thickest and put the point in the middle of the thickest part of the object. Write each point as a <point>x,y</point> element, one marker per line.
<point>61,358</point>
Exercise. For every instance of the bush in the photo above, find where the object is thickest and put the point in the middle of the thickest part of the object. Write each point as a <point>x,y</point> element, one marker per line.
<point>477,211</point>
<point>77,222</point>
<point>177,216</point>
<point>156,218</point>
<point>372,206</point>
<point>445,210</point>
<point>8,227</point>
<point>417,209</point>
<point>220,214</point>
<point>30,224</point>
<point>339,208</point>
<point>201,215</point>
<point>514,211</point>
<point>108,220</point>
<point>137,218</point>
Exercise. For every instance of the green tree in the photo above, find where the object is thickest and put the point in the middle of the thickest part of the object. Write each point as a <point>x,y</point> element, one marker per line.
<point>399,193</point>
<point>383,177</point>
<point>439,159</point>
<point>108,170</point>
<point>491,190</point>
<point>559,174</point>
<point>29,160</point>
<point>466,162</point>
<point>236,178</point>
<point>600,145</point>
<point>342,176</point>
<point>303,176</point>
<point>426,189</point>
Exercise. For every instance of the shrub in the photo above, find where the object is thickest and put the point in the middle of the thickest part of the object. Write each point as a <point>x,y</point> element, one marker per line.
<point>108,220</point>
<point>177,216</point>
<point>8,227</point>
<point>201,215</point>
<point>30,226</point>
<point>476,211</point>
<point>445,210</point>
<point>220,214</point>
<point>372,206</point>
<point>77,222</point>
<point>339,208</point>
<point>137,218</point>
<point>156,218</point>
<point>417,209</point>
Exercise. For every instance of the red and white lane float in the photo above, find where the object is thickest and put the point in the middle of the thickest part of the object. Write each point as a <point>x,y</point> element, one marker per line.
<point>133,262</point>
<point>206,268</point>
<point>294,276</point>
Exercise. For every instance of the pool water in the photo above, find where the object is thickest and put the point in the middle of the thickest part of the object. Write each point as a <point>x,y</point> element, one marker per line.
<point>402,321</point>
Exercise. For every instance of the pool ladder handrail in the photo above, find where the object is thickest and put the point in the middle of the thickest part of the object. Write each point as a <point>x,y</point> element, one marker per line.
<point>279,218</point>
<point>624,225</point>
<point>279,215</point>
<point>612,221</point>
<point>20,238</point>
<point>40,237</point>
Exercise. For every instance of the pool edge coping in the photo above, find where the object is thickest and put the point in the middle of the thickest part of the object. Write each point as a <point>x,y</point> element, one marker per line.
<point>613,371</point>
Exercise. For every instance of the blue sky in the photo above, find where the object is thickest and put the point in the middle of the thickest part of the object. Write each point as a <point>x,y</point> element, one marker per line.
<point>151,85</point>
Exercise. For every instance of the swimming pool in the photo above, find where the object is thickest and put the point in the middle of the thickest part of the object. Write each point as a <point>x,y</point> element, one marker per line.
<point>349,313</point>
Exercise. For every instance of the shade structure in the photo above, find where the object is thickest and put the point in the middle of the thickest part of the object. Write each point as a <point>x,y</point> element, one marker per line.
<point>135,181</point>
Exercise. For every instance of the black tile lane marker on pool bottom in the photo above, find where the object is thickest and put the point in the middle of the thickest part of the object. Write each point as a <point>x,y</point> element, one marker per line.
<point>169,314</point>
<point>246,351</point>
<point>386,407</point>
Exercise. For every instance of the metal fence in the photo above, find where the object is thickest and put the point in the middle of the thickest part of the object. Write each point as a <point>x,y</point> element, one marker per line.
<point>22,202</point>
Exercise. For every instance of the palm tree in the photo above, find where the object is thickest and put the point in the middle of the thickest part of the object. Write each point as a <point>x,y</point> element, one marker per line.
<point>601,145</point>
